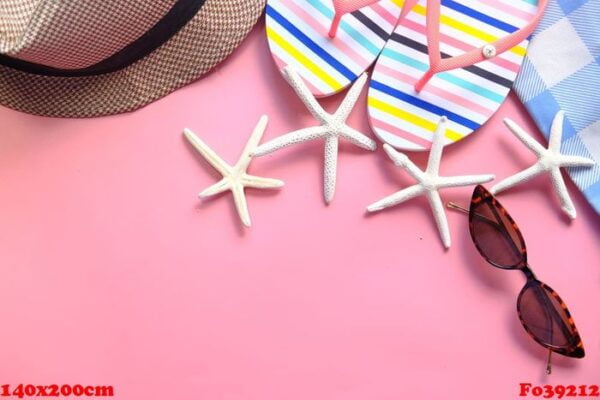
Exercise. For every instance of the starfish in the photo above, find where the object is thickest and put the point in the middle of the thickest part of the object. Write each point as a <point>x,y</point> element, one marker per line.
<point>235,178</point>
<point>332,128</point>
<point>430,182</point>
<point>550,160</point>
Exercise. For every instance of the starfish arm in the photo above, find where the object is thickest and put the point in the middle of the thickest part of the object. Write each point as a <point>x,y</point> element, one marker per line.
<point>217,188</point>
<point>464,180</point>
<point>258,182</point>
<point>351,98</point>
<point>435,154</point>
<point>257,133</point>
<point>563,194</point>
<point>519,177</point>
<point>330,168</point>
<point>304,93</point>
<point>358,138</point>
<point>437,207</point>
<point>240,204</point>
<point>556,132</point>
<point>209,155</point>
<point>302,135</point>
<point>401,160</point>
<point>576,161</point>
<point>397,198</point>
<point>524,137</point>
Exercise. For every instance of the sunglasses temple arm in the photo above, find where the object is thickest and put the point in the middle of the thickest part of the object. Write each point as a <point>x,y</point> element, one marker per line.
<point>549,362</point>
<point>549,309</point>
<point>455,206</point>
<point>551,316</point>
<point>485,219</point>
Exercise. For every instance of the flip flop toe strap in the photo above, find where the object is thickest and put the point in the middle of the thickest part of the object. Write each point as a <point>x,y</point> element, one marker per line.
<point>343,7</point>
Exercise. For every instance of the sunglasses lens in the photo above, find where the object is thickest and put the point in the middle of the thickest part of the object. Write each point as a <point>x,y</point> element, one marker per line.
<point>545,317</point>
<point>495,234</point>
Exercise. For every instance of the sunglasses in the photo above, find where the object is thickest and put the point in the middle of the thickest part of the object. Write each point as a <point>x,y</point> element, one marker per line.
<point>542,312</point>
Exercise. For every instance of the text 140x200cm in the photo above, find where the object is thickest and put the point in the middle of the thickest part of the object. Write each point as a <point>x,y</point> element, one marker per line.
<point>27,390</point>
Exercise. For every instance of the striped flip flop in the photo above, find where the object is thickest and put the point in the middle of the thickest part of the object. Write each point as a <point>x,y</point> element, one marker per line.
<point>304,34</point>
<point>453,58</point>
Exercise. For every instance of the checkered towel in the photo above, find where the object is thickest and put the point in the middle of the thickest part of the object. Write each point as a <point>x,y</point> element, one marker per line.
<point>562,71</point>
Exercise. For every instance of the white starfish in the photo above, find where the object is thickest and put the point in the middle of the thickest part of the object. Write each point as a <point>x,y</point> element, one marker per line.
<point>332,128</point>
<point>235,178</point>
<point>430,182</point>
<point>549,160</point>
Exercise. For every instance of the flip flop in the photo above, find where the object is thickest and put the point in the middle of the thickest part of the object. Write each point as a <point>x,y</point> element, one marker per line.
<point>304,34</point>
<point>457,59</point>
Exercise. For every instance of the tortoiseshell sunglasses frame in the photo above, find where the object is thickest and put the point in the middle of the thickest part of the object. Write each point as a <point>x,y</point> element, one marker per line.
<point>482,195</point>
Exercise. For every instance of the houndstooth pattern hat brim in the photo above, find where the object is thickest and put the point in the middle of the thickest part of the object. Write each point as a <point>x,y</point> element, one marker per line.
<point>206,40</point>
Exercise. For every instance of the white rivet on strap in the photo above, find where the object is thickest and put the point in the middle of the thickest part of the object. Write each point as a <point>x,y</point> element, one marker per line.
<point>488,51</point>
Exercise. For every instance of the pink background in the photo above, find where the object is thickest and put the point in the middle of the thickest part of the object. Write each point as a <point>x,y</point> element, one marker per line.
<point>115,273</point>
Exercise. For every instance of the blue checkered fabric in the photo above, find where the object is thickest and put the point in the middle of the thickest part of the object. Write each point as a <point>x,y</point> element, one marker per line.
<point>562,71</point>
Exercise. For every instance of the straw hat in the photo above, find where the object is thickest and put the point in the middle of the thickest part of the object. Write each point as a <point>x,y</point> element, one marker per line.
<point>84,58</point>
